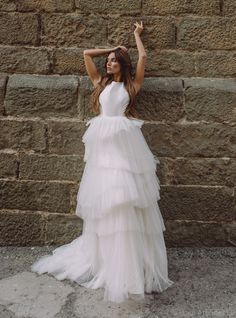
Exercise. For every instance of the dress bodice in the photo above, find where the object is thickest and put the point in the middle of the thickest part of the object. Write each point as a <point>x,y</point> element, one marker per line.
<point>114,99</point>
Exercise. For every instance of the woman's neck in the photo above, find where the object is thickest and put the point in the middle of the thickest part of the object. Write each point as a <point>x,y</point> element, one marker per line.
<point>117,78</point>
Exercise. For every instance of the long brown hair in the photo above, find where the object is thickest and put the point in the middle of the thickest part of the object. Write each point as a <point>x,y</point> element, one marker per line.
<point>127,76</point>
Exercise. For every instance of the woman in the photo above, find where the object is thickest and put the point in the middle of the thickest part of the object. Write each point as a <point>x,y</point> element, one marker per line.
<point>122,247</point>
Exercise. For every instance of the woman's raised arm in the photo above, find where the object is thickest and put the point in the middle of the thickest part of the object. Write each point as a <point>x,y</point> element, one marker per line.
<point>140,68</point>
<point>91,68</point>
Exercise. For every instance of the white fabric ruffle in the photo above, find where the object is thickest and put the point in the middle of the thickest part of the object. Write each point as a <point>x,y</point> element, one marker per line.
<point>122,247</point>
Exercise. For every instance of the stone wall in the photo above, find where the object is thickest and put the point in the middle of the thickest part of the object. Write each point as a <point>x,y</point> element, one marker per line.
<point>188,102</point>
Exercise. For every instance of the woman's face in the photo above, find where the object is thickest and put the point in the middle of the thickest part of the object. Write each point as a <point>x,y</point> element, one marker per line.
<point>113,66</point>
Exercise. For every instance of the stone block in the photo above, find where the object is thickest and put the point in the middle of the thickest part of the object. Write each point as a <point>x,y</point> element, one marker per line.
<point>215,63</point>
<point>22,135</point>
<point>14,59</point>
<point>21,228</point>
<point>210,99</point>
<point>209,33</point>
<point>169,63</point>
<point>109,6</point>
<point>7,5</point>
<point>161,99</point>
<point>19,28</point>
<point>159,32</point>
<point>71,61</point>
<point>50,167</point>
<point>62,229</point>
<point>85,97</point>
<point>204,171</point>
<point>229,7</point>
<point>65,138</point>
<point>165,170</point>
<point>195,233</point>
<point>35,196</point>
<point>41,96</point>
<point>48,6</point>
<point>8,165</point>
<point>178,7</point>
<point>73,30</point>
<point>200,203</point>
<point>191,139</point>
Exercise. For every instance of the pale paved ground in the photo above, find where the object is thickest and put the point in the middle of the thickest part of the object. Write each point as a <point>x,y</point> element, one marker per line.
<point>205,286</point>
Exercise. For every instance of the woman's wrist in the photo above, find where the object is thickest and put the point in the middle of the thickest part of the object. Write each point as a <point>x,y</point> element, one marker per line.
<point>136,33</point>
<point>98,51</point>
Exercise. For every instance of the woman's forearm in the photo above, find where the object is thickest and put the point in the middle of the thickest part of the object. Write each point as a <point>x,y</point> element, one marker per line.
<point>140,47</point>
<point>97,52</point>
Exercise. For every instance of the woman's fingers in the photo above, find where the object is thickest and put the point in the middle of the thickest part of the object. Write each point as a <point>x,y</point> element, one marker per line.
<point>139,27</point>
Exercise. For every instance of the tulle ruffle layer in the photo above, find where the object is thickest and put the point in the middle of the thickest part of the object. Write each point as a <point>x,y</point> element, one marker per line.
<point>124,263</point>
<point>127,218</point>
<point>122,247</point>
<point>120,168</point>
<point>103,189</point>
<point>117,142</point>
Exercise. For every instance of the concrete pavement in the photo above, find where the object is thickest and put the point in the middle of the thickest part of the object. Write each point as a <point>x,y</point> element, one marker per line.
<point>205,286</point>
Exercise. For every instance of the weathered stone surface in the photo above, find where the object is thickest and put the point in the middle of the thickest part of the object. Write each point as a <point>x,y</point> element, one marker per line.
<point>191,139</point>
<point>52,167</point>
<point>8,165</point>
<point>196,233</point>
<point>73,30</point>
<point>65,137</point>
<point>7,5</point>
<point>48,6</point>
<point>210,100</point>
<point>39,95</point>
<point>33,195</point>
<point>14,28</point>
<point>207,171</point>
<point>161,99</point>
<point>22,135</point>
<point>159,32</point>
<point>73,196</point>
<point>62,229</point>
<point>21,228</point>
<point>197,203</point>
<point>71,61</point>
<point>15,59</point>
<point>85,98</point>
<point>109,6</point>
<point>207,33</point>
<point>177,7</point>
<point>3,82</point>
<point>229,7</point>
<point>165,170</point>
<point>159,62</point>
<point>216,63</point>
<point>170,63</point>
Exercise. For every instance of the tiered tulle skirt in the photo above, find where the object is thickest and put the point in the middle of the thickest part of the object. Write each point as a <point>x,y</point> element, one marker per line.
<point>122,247</point>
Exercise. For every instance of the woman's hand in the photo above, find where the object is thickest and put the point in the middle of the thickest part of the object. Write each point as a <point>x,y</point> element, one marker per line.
<point>121,47</point>
<point>139,28</point>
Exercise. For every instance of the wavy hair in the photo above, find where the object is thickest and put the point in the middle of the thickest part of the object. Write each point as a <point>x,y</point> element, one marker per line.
<point>127,76</point>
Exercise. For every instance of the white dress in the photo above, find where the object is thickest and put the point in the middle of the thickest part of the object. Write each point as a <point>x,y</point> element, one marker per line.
<point>122,247</point>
